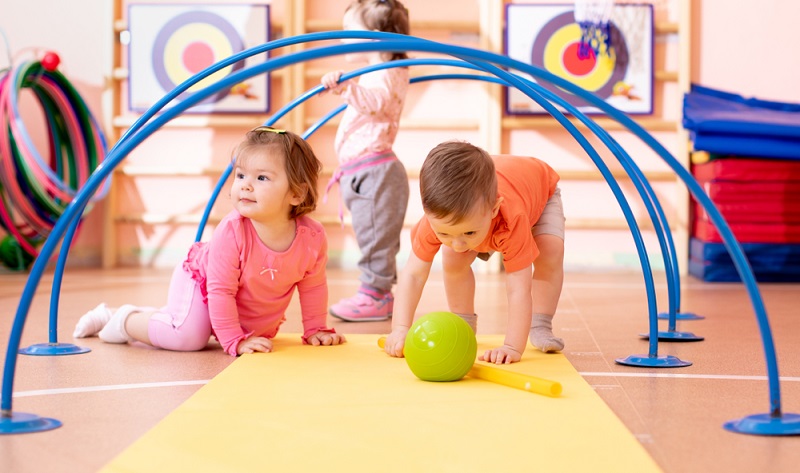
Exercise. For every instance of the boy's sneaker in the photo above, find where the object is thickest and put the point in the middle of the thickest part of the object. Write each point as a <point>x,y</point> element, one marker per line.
<point>363,308</point>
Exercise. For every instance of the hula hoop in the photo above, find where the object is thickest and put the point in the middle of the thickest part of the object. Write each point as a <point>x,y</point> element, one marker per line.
<point>34,190</point>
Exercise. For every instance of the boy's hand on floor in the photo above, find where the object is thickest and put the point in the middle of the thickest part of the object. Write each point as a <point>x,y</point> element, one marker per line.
<point>501,355</point>
<point>395,341</point>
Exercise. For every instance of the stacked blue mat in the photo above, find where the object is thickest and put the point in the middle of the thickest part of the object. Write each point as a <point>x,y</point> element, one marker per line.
<point>729,124</point>
<point>728,127</point>
<point>770,262</point>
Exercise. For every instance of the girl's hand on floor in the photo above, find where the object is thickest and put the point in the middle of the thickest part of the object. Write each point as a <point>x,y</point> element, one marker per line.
<point>254,344</point>
<point>326,338</point>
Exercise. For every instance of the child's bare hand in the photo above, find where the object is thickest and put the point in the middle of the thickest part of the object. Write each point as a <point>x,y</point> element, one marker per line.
<point>501,355</point>
<point>331,81</point>
<point>254,344</point>
<point>326,338</point>
<point>395,341</point>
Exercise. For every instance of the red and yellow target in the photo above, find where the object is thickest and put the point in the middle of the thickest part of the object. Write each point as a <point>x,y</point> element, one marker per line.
<point>557,48</point>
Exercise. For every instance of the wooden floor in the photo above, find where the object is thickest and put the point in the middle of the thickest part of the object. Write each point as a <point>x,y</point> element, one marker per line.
<point>109,397</point>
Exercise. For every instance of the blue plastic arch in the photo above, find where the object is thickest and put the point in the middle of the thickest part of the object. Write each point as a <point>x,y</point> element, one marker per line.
<point>654,209</point>
<point>773,423</point>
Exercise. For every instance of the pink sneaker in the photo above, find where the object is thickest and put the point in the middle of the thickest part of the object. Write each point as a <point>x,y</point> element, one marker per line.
<point>363,308</point>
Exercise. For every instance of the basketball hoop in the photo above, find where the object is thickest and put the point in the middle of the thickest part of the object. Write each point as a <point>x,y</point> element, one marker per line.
<point>593,17</point>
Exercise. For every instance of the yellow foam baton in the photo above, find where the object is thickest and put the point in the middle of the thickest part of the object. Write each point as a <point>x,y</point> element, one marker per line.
<point>508,378</point>
<point>516,380</point>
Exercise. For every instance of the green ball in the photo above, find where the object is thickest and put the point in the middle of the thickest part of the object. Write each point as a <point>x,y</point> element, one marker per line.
<point>440,346</point>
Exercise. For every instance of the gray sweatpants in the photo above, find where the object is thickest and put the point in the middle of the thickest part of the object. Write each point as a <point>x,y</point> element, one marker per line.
<point>377,198</point>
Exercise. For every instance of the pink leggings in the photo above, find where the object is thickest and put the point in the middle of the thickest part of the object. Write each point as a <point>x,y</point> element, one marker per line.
<point>183,324</point>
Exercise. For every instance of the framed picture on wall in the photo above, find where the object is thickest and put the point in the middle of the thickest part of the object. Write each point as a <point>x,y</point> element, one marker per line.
<point>170,43</point>
<point>621,72</point>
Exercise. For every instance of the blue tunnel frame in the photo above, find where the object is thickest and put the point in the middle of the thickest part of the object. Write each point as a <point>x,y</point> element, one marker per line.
<point>774,422</point>
<point>647,193</point>
<point>643,186</point>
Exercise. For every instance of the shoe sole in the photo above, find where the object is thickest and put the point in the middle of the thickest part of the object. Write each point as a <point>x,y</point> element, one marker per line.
<point>362,319</point>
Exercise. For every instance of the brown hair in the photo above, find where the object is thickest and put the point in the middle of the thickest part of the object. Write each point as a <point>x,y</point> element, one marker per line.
<point>388,16</point>
<point>454,177</point>
<point>301,164</point>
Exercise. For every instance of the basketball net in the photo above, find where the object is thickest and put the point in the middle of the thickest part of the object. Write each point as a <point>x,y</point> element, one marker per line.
<point>593,17</point>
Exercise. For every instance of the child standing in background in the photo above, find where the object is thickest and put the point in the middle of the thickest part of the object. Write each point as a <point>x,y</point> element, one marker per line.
<point>372,182</point>
<point>238,285</point>
<point>476,204</point>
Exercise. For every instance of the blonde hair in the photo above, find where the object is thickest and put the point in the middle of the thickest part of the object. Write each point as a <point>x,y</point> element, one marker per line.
<point>301,164</point>
<point>456,176</point>
<point>388,16</point>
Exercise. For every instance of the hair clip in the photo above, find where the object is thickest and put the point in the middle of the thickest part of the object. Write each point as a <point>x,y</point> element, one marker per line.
<point>270,129</point>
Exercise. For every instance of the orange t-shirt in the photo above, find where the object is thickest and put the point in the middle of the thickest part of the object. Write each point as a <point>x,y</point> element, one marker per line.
<point>525,184</point>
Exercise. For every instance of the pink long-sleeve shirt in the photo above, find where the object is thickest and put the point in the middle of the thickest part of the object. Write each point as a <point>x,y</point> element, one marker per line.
<point>371,121</point>
<point>248,286</point>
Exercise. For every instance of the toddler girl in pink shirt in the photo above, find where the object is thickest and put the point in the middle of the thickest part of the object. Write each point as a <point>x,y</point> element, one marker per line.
<point>238,285</point>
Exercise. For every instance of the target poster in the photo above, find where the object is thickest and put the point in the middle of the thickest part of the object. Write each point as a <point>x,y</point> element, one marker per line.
<point>171,43</point>
<point>547,36</point>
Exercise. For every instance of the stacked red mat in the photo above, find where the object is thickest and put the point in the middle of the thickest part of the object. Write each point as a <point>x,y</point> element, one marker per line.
<point>760,200</point>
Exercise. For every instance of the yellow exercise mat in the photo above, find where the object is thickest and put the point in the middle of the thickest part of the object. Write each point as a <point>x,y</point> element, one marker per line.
<point>353,408</point>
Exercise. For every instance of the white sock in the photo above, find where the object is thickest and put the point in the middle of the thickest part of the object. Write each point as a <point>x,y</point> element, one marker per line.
<point>114,331</point>
<point>541,335</point>
<point>92,322</point>
<point>471,319</point>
